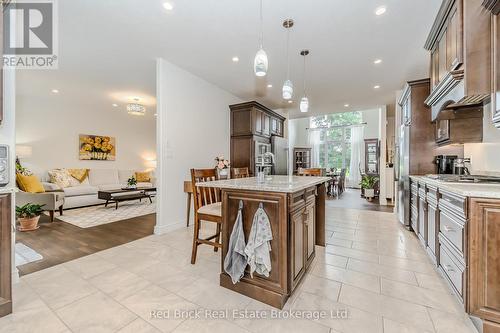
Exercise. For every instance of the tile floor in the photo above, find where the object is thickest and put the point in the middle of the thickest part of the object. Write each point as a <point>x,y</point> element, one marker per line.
<point>372,270</point>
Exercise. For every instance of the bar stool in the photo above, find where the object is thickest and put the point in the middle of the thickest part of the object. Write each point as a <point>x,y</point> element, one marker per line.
<point>314,172</point>
<point>207,207</point>
<point>240,173</point>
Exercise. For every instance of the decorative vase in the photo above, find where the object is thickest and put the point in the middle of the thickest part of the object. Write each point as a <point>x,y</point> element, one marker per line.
<point>223,173</point>
<point>28,224</point>
<point>369,193</point>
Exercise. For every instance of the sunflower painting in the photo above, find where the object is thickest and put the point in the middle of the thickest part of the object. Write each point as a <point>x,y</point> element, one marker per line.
<point>96,147</point>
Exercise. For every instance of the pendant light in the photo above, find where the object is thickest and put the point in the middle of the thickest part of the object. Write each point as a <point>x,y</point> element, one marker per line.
<point>304,102</point>
<point>261,63</point>
<point>288,85</point>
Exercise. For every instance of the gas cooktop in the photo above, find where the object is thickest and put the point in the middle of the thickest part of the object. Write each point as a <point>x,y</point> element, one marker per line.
<point>465,178</point>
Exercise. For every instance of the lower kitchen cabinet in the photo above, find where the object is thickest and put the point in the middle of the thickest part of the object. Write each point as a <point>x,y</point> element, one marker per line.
<point>422,215</point>
<point>432,229</point>
<point>484,261</point>
<point>5,255</point>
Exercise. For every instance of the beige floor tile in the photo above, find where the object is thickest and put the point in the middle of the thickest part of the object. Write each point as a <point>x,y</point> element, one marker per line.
<point>58,286</point>
<point>436,299</point>
<point>119,283</point>
<point>285,325</point>
<point>139,326</point>
<point>209,326</point>
<point>391,326</point>
<point>81,316</point>
<point>357,279</point>
<point>432,281</point>
<point>148,302</point>
<point>388,307</point>
<point>339,242</point>
<point>448,323</point>
<point>407,264</point>
<point>352,253</point>
<point>170,278</point>
<point>37,318</point>
<point>89,266</point>
<point>210,295</point>
<point>321,287</point>
<point>331,259</point>
<point>357,321</point>
<point>387,272</point>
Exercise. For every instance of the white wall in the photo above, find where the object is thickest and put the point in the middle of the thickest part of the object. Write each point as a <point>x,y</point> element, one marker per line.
<point>193,128</point>
<point>485,157</point>
<point>297,133</point>
<point>52,126</point>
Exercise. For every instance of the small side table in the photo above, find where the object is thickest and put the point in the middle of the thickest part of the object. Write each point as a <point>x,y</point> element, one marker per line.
<point>188,188</point>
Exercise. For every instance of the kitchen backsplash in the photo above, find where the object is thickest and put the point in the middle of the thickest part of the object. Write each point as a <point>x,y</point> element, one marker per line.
<point>485,158</point>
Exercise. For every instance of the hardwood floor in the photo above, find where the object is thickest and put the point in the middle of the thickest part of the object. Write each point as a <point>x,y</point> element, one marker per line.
<point>59,242</point>
<point>351,199</point>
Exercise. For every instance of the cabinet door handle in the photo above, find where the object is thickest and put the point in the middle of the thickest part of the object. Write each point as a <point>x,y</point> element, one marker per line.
<point>449,268</point>
<point>448,229</point>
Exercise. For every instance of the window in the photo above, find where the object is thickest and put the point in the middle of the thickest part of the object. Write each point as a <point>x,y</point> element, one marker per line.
<point>335,138</point>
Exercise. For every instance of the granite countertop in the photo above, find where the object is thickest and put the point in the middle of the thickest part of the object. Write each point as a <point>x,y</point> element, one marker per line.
<point>285,184</point>
<point>476,190</point>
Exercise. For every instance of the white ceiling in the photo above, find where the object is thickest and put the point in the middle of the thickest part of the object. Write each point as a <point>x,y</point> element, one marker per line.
<point>108,49</point>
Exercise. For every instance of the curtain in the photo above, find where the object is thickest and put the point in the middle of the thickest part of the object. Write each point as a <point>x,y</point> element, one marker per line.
<point>314,142</point>
<point>357,146</point>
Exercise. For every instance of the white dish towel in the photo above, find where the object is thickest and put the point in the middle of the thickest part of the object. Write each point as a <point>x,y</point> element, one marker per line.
<point>259,244</point>
<point>236,259</point>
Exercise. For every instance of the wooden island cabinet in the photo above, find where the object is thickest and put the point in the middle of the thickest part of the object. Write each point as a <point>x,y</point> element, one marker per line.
<point>462,223</point>
<point>296,209</point>
<point>5,254</point>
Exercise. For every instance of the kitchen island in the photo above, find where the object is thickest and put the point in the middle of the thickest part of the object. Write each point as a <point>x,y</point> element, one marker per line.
<point>296,210</point>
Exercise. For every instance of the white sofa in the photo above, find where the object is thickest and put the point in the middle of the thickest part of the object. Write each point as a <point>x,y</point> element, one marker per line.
<point>85,194</point>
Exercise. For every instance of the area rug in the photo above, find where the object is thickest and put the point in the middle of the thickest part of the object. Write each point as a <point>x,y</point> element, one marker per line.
<point>25,255</point>
<point>89,217</point>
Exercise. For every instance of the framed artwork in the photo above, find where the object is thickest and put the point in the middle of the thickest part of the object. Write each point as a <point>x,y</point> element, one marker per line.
<point>97,147</point>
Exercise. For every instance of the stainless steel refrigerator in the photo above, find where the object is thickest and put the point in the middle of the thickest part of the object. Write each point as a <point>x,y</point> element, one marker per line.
<point>281,151</point>
<point>402,175</point>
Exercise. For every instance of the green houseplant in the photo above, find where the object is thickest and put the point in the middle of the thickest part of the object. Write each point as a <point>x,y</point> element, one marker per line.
<point>28,216</point>
<point>132,182</point>
<point>368,185</point>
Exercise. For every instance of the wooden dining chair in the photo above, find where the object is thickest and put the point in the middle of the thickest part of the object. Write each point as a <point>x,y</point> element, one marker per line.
<point>315,172</point>
<point>240,173</point>
<point>207,207</point>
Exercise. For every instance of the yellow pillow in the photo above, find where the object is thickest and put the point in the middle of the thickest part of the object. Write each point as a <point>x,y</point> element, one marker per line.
<point>143,177</point>
<point>29,184</point>
<point>79,174</point>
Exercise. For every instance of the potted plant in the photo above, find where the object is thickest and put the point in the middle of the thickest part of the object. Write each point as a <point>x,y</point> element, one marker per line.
<point>132,183</point>
<point>368,185</point>
<point>28,216</point>
<point>222,167</point>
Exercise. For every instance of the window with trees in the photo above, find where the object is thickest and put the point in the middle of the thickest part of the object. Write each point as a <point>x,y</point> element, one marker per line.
<point>335,138</point>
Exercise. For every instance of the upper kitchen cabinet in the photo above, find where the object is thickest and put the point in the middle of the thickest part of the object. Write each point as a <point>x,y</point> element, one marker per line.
<point>494,7</point>
<point>460,52</point>
<point>253,118</point>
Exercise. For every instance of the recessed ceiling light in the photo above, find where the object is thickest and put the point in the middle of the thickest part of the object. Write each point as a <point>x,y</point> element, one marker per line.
<point>168,6</point>
<point>269,85</point>
<point>346,105</point>
<point>290,102</point>
<point>55,91</point>
<point>376,87</point>
<point>377,61</point>
<point>115,105</point>
<point>236,59</point>
<point>380,10</point>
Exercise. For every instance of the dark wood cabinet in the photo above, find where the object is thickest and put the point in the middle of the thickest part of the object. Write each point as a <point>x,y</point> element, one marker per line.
<point>484,261</point>
<point>302,159</point>
<point>251,123</point>
<point>420,127</point>
<point>5,255</point>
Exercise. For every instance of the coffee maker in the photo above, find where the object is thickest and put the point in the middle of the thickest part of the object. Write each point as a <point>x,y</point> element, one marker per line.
<point>445,164</point>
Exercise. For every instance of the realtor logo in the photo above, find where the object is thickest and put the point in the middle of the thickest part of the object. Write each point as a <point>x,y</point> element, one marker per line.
<point>30,34</point>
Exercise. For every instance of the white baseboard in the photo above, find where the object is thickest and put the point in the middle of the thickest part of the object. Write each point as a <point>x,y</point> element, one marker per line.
<point>163,229</point>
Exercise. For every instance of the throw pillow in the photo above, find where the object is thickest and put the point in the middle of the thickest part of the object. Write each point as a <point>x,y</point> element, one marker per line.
<point>79,174</point>
<point>30,184</point>
<point>143,177</point>
<point>62,178</point>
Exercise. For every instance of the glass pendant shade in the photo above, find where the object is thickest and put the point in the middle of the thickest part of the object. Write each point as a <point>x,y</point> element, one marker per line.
<point>304,104</point>
<point>260,63</point>
<point>287,89</point>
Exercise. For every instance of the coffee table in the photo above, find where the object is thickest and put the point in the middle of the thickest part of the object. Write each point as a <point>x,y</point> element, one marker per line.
<point>126,194</point>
